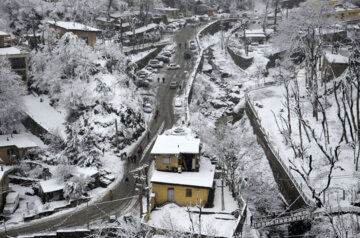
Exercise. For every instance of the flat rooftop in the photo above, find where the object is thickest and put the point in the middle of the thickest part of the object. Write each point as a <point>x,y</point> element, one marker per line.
<point>204,178</point>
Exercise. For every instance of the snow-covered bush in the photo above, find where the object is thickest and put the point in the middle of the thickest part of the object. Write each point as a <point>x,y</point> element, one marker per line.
<point>77,186</point>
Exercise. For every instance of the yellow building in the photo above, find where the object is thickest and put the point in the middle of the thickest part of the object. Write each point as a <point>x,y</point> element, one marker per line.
<point>13,147</point>
<point>87,33</point>
<point>18,60</point>
<point>180,176</point>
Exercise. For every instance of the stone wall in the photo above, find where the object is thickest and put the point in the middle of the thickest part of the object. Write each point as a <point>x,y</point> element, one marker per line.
<point>240,61</point>
<point>285,184</point>
<point>144,61</point>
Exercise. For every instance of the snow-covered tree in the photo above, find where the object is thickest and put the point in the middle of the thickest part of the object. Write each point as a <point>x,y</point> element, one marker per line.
<point>11,90</point>
<point>77,186</point>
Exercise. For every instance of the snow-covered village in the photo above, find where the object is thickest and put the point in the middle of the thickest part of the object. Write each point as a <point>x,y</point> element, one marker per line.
<point>179,118</point>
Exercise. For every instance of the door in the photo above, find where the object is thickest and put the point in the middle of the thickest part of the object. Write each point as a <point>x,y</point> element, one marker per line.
<point>170,194</point>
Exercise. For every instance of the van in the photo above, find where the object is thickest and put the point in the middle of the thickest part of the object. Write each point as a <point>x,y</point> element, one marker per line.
<point>12,202</point>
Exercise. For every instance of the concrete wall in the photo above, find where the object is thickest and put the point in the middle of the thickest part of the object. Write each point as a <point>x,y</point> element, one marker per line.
<point>161,193</point>
<point>243,63</point>
<point>285,184</point>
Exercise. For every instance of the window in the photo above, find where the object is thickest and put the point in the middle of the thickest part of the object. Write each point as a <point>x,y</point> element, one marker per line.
<point>188,192</point>
<point>18,63</point>
<point>85,39</point>
<point>10,152</point>
<point>166,160</point>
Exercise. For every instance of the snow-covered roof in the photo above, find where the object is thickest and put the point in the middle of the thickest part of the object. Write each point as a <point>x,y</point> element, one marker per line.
<point>142,29</point>
<point>21,141</point>
<point>203,178</point>
<point>51,185</point>
<point>52,122</point>
<point>337,59</point>
<point>86,171</point>
<point>124,14</point>
<point>255,31</point>
<point>2,33</point>
<point>73,26</point>
<point>165,9</point>
<point>9,51</point>
<point>176,144</point>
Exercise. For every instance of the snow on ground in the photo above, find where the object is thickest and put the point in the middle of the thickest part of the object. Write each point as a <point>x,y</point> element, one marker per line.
<point>175,218</point>
<point>344,172</point>
<point>45,115</point>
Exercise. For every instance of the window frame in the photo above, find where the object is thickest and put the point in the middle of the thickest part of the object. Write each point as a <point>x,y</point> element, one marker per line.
<point>188,193</point>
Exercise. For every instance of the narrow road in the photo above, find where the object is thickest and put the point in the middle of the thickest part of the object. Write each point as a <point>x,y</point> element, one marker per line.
<point>124,194</point>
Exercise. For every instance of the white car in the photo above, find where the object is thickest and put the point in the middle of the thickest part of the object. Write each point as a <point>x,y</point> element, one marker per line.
<point>151,69</point>
<point>178,102</point>
<point>147,108</point>
<point>173,66</point>
<point>156,63</point>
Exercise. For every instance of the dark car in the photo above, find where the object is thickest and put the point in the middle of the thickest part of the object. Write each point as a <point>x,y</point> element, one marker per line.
<point>187,55</point>
<point>162,58</point>
<point>174,85</point>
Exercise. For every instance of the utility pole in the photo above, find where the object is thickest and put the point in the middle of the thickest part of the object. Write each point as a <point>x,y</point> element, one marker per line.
<point>222,187</point>
<point>139,187</point>
<point>116,135</point>
<point>87,215</point>
<point>222,32</point>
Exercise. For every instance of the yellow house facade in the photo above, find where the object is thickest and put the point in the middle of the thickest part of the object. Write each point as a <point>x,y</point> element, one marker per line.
<point>87,33</point>
<point>180,194</point>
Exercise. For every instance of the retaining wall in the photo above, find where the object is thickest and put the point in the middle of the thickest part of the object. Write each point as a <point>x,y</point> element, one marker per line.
<point>286,186</point>
<point>144,61</point>
<point>243,63</point>
<point>34,127</point>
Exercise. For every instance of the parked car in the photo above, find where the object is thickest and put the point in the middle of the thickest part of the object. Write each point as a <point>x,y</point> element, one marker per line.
<point>151,69</point>
<point>147,108</point>
<point>192,47</point>
<point>156,63</point>
<point>174,85</point>
<point>178,102</point>
<point>173,66</point>
<point>163,58</point>
<point>166,53</point>
<point>143,72</point>
<point>12,202</point>
<point>141,82</point>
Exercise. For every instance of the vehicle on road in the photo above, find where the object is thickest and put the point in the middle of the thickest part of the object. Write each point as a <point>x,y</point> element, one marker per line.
<point>178,102</point>
<point>166,53</point>
<point>173,66</point>
<point>187,55</point>
<point>147,108</point>
<point>174,85</point>
<point>156,63</point>
<point>12,202</point>
<point>151,69</point>
<point>163,58</point>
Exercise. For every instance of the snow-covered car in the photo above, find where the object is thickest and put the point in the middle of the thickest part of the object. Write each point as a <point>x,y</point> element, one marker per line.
<point>166,53</point>
<point>156,63</point>
<point>178,102</point>
<point>144,72</point>
<point>192,46</point>
<point>147,108</point>
<point>163,58</point>
<point>12,202</point>
<point>174,85</point>
<point>151,69</point>
<point>173,66</point>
